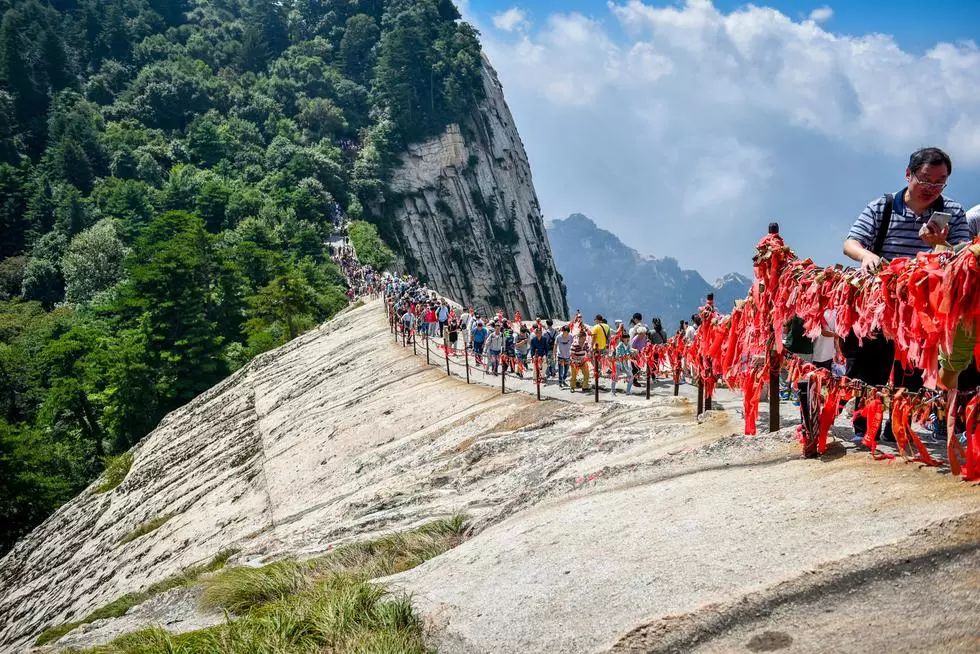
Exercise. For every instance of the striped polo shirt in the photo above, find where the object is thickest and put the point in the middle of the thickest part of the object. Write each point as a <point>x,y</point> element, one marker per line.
<point>902,239</point>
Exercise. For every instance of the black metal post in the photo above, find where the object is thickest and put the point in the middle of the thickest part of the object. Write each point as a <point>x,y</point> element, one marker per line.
<point>773,391</point>
<point>595,358</point>
<point>537,374</point>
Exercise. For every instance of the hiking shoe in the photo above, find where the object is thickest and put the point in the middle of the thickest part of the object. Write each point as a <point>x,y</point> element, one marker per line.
<point>857,439</point>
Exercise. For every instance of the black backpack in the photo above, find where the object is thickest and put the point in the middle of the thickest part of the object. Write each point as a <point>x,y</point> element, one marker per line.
<point>796,340</point>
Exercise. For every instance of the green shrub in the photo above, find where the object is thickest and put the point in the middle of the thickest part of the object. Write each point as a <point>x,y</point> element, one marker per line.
<point>116,469</point>
<point>370,249</point>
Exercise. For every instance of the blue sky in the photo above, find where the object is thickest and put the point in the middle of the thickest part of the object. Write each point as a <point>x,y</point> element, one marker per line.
<point>916,25</point>
<point>685,127</point>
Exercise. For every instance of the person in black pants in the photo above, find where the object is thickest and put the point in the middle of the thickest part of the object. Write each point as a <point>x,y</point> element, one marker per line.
<point>873,362</point>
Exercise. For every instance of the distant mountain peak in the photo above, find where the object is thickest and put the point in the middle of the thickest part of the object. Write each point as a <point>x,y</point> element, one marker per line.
<point>733,278</point>
<point>604,275</point>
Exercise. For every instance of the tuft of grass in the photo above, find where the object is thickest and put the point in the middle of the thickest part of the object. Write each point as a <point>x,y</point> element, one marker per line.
<point>116,469</point>
<point>119,606</point>
<point>240,589</point>
<point>340,614</point>
<point>144,528</point>
<point>326,604</point>
<point>52,634</point>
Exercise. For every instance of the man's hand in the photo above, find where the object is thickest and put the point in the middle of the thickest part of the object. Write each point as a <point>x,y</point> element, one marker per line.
<point>932,237</point>
<point>870,262</point>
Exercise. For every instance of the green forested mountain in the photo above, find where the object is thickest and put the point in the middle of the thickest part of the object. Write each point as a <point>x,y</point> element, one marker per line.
<point>169,171</point>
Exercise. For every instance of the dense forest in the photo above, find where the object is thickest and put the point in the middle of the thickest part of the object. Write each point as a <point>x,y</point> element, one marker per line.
<point>169,173</point>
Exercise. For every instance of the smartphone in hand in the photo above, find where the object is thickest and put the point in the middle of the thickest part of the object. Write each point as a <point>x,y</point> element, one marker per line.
<point>938,221</point>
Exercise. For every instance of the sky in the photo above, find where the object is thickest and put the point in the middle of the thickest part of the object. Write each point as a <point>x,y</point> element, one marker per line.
<point>686,127</point>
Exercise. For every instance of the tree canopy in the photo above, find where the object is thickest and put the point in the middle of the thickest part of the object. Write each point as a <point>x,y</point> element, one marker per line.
<point>169,173</point>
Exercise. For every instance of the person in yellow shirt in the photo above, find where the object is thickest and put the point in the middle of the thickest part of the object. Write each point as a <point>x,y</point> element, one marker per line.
<point>600,335</point>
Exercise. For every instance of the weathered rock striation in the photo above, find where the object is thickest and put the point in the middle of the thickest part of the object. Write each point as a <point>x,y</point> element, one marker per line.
<point>467,216</point>
<point>627,525</point>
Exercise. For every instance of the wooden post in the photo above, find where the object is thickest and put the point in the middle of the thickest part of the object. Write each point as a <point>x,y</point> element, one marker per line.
<point>404,337</point>
<point>700,396</point>
<point>707,396</point>
<point>537,374</point>
<point>445,350</point>
<point>677,382</point>
<point>466,358</point>
<point>648,378</point>
<point>503,376</point>
<point>427,347</point>
<point>414,338</point>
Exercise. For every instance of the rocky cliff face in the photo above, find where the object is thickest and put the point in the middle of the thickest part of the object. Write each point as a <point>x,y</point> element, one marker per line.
<point>467,216</point>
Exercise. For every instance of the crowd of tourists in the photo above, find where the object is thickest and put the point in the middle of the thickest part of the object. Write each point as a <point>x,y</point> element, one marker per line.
<point>574,355</point>
<point>361,280</point>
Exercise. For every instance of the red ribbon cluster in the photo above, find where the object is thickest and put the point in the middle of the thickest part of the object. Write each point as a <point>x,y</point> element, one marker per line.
<point>917,303</point>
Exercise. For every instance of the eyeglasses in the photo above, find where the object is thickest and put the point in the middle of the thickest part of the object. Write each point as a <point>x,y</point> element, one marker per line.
<point>936,186</point>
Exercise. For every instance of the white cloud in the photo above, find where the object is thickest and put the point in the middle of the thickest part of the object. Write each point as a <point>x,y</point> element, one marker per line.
<point>692,132</point>
<point>511,20</point>
<point>821,14</point>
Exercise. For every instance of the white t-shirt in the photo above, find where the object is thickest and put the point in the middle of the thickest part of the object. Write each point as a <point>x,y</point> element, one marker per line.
<point>973,220</point>
<point>823,346</point>
<point>689,334</point>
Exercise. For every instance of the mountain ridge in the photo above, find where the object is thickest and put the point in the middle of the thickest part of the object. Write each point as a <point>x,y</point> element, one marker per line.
<point>591,258</point>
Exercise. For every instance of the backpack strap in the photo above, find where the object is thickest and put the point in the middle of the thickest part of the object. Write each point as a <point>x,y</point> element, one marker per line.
<point>886,218</point>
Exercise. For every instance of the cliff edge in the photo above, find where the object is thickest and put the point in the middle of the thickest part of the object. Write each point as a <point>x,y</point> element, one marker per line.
<point>466,213</point>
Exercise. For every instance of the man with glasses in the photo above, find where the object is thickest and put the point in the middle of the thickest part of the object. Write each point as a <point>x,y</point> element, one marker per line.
<point>911,209</point>
<point>890,227</point>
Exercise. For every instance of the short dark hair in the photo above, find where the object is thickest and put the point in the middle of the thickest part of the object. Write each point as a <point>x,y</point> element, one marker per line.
<point>637,317</point>
<point>930,156</point>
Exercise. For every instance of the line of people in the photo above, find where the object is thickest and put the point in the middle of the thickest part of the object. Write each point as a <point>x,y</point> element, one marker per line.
<point>566,354</point>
